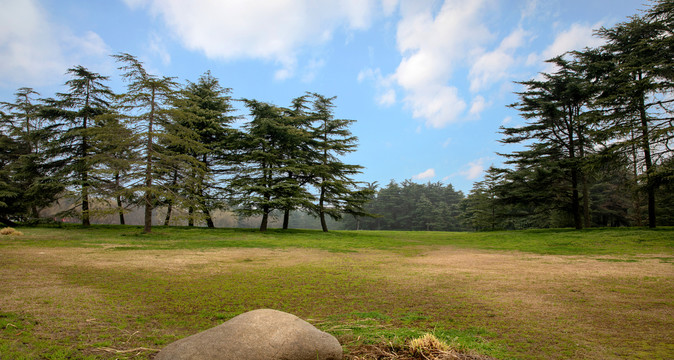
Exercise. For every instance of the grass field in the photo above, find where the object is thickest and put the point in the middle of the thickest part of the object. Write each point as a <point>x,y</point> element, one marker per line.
<point>113,292</point>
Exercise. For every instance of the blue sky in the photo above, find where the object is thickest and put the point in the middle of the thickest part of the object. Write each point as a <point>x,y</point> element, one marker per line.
<point>427,81</point>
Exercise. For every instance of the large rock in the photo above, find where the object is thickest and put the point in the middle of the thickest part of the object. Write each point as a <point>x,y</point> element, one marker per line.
<point>257,335</point>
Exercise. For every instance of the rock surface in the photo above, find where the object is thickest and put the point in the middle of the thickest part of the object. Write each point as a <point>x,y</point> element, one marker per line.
<point>257,335</point>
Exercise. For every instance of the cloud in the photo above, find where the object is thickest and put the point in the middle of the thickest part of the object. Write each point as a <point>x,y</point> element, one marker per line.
<point>428,174</point>
<point>261,29</point>
<point>529,9</point>
<point>577,37</point>
<point>433,44</point>
<point>474,169</point>
<point>389,6</point>
<point>35,52</point>
<point>158,47</point>
<point>493,66</point>
<point>386,95</point>
<point>507,120</point>
<point>388,98</point>
<point>479,104</point>
<point>439,105</point>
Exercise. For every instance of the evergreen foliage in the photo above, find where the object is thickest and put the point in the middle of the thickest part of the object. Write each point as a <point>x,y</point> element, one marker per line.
<point>87,97</point>
<point>595,150</point>
<point>29,169</point>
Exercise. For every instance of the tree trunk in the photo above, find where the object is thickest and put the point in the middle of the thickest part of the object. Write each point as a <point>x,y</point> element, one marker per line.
<point>120,209</point>
<point>646,147</point>
<point>85,200</point>
<point>321,213</point>
<point>265,219</point>
<point>169,210</point>
<point>85,174</point>
<point>583,176</point>
<point>148,170</point>
<point>636,199</point>
<point>286,219</point>
<point>174,181</point>
<point>190,216</point>
<point>324,224</point>
<point>209,219</point>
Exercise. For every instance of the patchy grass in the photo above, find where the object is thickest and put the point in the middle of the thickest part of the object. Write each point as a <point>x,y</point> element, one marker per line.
<point>112,292</point>
<point>614,241</point>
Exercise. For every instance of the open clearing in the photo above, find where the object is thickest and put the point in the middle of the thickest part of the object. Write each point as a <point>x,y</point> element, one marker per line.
<point>111,297</point>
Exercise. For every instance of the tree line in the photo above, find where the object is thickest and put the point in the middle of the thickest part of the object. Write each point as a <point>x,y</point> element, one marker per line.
<point>596,148</point>
<point>173,145</point>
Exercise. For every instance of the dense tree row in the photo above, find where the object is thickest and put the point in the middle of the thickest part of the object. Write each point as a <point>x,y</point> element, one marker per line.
<point>411,206</point>
<point>161,143</point>
<point>596,149</point>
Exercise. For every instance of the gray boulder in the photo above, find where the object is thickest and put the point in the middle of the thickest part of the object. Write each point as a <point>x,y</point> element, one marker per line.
<point>257,335</point>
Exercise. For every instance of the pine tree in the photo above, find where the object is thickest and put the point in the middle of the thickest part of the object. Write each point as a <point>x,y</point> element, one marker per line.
<point>331,177</point>
<point>117,160</point>
<point>261,184</point>
<point>636,90</point>
<point>298,155</point>
<point>554,108</point>
<point>147,103</point>
<point>30,167</point>
<point>87,97</point>
<point>205,107</point>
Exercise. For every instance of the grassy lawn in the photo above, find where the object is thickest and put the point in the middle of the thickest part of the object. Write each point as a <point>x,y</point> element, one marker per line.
<point>113,292</point>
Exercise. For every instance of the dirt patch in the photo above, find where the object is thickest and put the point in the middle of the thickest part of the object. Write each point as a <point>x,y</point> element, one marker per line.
<point>544,306</point>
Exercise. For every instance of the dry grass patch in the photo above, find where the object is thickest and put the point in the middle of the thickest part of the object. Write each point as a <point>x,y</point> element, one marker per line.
<point>95,301</point>
<point>426,347</point>
<point>563,306</point>
<point>10,231</point>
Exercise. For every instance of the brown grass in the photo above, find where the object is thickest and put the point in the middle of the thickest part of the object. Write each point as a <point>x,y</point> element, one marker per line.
<point>10,231</point>
<point>539,306</point>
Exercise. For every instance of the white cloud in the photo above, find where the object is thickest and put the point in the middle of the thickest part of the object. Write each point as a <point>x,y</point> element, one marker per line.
<point>428,174</point>
<point>433,45</point>
<point>474,169</point>
<point>34,51</point>
<point>386,95</point>
<point>529,9</point>
<point>493,66</point>
<point>577,37</point>
<point>158,47</point>
<point>260,29</point>
<point>388,98</point>
<point>506,121</point>
<point>479,104</point>
<point>439,105</point>
<point>389,6</point>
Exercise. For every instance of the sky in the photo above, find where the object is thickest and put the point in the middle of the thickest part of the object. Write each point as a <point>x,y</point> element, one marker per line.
<point>427,81</point>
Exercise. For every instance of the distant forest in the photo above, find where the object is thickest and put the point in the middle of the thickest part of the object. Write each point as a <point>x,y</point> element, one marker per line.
<point>595,150</point>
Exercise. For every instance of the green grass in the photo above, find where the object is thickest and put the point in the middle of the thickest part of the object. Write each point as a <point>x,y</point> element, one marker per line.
<point>366,288</point>
<point>607,241</point>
